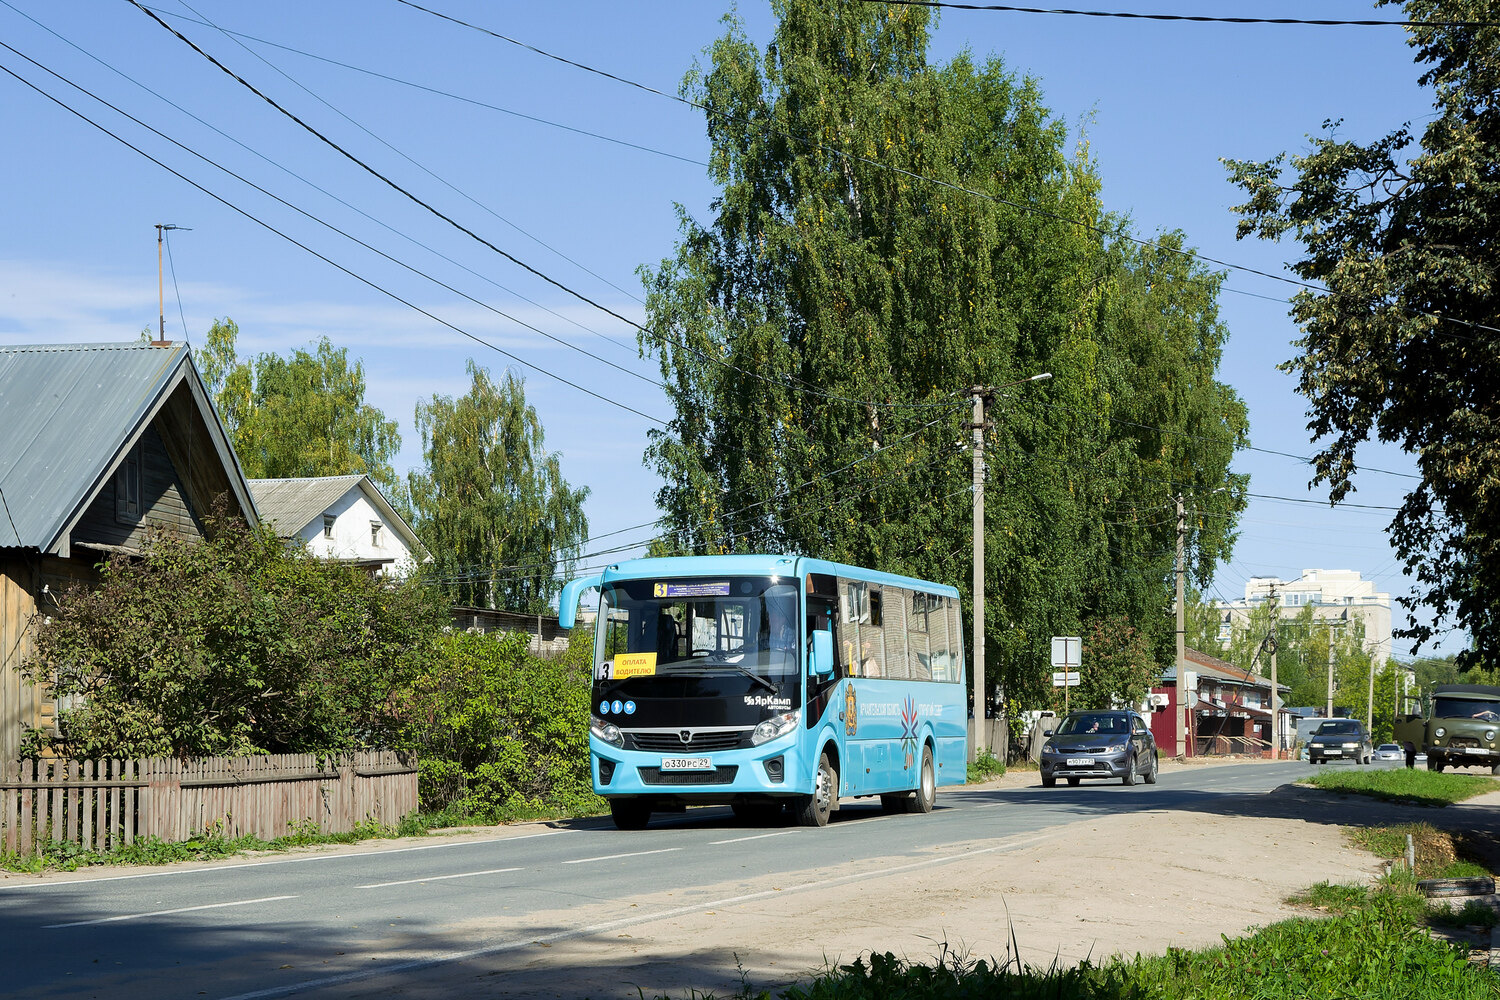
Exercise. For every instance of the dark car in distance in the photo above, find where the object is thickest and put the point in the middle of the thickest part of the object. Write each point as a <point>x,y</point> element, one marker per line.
<point>1340,739</point>
<point>1115,743</point>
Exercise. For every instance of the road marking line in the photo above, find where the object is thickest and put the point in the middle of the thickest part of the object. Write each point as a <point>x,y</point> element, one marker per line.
<point>988,805</point>
<point>611,857</point>
<point>163,913</point>
<point>758,836</point>
<point>283,861</point>
<point>436,878</point>
<point>443,958</point>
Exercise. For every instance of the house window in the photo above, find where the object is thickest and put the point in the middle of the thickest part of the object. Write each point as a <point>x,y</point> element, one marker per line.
<point>328,520</point>
<point>128,487</point>
<point>375,533</point>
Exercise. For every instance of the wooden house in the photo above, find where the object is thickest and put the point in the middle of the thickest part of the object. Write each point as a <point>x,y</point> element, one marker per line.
<point>98,443</point>
<point>341,518</point>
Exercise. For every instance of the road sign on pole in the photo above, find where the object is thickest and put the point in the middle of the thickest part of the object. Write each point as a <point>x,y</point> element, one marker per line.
<point>1065,678</point>
<point>1067,651</point>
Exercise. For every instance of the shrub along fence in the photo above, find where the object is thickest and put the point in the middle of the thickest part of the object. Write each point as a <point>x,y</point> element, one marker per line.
<point>103,804</point>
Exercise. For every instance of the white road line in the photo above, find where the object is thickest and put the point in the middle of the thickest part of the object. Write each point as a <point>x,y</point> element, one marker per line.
<point>758,836</point>
<point>442,958</point>
<point>163,913</point>
<point>281,861</point>
<point>988,805</point>
<point>436,878</point>
<point>611,857</point>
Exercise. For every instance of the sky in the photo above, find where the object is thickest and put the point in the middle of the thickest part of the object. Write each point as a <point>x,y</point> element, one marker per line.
<point>581,177</point>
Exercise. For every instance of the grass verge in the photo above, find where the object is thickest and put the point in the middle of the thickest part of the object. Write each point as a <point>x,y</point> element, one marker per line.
<point>985,766</point>
<point>207,846</point>
<point>1427,788</point>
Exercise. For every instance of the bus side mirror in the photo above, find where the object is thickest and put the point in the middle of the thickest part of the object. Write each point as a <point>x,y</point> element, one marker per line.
<point>822,653</point>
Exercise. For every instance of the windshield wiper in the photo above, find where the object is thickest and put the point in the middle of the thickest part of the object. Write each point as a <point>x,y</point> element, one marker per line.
<point>703,670</point>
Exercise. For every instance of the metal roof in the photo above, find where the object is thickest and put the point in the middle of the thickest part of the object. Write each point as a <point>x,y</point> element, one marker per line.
<point>67,413</point>
<point>292,504</point>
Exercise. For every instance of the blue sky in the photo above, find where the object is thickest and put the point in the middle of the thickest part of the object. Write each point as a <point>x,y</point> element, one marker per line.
<point>492,135</point>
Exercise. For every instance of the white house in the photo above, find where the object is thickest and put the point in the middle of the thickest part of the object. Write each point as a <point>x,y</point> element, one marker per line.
<point>340,517</point>
<point>1335,595</point>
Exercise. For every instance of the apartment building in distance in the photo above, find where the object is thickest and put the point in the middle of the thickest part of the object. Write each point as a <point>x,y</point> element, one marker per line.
<point>1335,595</point>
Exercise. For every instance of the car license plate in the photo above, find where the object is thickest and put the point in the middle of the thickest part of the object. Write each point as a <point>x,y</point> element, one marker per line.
<point>687,764</point>
<point>1332,753</point>
<point>1475,750</point>
<point>1080,762</point>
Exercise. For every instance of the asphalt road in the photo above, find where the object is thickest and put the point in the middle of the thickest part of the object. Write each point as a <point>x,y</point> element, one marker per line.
<point>316,924</point>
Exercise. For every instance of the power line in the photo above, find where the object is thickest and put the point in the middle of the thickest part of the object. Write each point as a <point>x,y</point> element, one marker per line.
<point>950,185</point>
<point>805,387</point>
<point>1200,18</point>
<point>270,228</point>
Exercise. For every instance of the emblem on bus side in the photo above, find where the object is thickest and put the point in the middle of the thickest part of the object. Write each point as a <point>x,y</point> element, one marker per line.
<point>851,715</point>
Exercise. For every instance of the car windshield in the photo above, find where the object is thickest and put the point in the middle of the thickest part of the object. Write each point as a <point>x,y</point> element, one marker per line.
<point>1341,727</point>
<point>1466,708</point>
<point>658,628</point>
<point>1078,725</point>
<point>1389,746</point>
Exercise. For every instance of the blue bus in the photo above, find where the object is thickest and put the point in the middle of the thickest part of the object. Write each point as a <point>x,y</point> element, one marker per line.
<point>771,682</point>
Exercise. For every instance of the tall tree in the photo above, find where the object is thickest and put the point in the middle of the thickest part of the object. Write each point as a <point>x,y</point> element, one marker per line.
<point>1402,331</point>
<point>491,504</point>
<point>889,233</point>
<point>301,415</point>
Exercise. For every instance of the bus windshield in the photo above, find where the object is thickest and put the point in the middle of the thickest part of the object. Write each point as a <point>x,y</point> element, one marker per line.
<point>691,627</point>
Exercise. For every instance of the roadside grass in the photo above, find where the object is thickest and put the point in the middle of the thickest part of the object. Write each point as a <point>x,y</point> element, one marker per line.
<point>985,766</point>
<point>1427,788</point>
<point>1373,946</point>
<point>209,845</point>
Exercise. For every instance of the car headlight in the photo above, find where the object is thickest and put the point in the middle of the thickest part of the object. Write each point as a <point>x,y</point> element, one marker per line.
<point>1351,746</point>
<point>1489,735</point>
<point>608,732</point>
<point>774,728</point>
<point>1440,732</point>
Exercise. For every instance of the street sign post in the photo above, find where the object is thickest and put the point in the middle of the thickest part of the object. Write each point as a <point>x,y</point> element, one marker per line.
<point>1067,655</point>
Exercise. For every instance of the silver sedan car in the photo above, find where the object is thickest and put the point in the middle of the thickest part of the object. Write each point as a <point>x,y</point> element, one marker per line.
<point>1104,744</point>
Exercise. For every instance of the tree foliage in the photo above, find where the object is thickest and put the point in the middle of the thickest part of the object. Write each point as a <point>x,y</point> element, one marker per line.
<point>491,504</point>
<point>234,645</point>
<point>301,415</point>
<point>498,732</point>
<point>1400,332</point>
<point>887,234</point>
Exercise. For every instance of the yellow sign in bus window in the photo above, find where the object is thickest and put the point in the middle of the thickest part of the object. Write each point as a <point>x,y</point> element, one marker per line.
<point>634,665</point>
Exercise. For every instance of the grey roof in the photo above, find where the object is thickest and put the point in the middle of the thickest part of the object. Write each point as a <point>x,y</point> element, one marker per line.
<point>292,504</point>
<point>67,414</point>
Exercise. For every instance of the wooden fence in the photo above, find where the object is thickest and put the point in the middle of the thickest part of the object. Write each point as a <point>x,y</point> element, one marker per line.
<point>103,804</point>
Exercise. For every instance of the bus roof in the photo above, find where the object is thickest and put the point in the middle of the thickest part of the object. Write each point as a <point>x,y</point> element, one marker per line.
<point>762,564</point>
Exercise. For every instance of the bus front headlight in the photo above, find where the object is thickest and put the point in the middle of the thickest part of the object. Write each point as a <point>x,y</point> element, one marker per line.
<point>775,727</point>
<point>608,732</point>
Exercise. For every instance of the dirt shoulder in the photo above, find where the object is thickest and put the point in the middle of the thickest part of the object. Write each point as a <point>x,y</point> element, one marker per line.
<point>1116,884</point>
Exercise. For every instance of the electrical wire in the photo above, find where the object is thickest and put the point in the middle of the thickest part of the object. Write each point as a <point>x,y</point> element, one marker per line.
<point>1199,18</point>
<point>327,260</point>
<point>950,185</point>
<point>804,387</point>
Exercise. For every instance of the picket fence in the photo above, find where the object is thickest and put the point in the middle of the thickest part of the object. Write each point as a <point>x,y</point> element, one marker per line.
<point>103,804</point>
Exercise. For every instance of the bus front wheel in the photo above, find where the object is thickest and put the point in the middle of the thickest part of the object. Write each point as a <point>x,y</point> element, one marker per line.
<point>922,799</point>
<point>816,807</point>
<point>629,814</point>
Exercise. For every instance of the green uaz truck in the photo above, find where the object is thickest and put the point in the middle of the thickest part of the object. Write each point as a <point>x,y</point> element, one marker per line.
<point>1462,729</point>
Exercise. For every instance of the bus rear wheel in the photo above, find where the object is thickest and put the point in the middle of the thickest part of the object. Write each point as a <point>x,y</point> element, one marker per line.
<point>926,794</point>
<point>628,814</point>
<point>815,808</point>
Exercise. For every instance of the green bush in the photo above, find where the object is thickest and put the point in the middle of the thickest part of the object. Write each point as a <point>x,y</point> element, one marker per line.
<point>500,734</point>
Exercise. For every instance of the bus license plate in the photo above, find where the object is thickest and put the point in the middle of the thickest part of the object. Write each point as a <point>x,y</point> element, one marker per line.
<point>687,764</point>
<point>1080,762</point>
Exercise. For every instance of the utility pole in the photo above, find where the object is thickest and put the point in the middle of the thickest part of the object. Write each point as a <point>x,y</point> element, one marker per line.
<point>981,394</point>
<point>1181,698</point>
<point>1275,700</point>
<point>161,303</point>
<point>1329,713</point>
<point>980,735</point>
